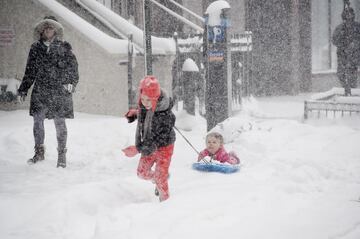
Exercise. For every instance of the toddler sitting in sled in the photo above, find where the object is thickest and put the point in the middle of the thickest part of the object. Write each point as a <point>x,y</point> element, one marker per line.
<point>215,150</point>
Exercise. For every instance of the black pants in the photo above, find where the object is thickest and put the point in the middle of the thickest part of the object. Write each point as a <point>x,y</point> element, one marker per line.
<point>348,77</point>
<point>39,130</point>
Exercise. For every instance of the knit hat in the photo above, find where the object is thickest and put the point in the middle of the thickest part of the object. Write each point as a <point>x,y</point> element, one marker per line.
<point>150,87</point>
<point>48,21</point>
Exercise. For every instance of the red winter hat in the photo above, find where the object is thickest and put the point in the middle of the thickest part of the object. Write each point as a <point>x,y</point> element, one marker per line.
<point>150,87</point>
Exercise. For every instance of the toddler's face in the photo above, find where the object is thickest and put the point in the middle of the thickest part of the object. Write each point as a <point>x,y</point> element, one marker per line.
<point>213,144</point>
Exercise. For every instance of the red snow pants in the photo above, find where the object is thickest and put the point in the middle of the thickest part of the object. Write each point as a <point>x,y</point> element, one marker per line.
<point>162,158</point>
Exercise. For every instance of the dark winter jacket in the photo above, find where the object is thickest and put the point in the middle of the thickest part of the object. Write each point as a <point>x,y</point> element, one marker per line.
<point>161,132</point>
<point>346,38</point>
<point>49,70</point>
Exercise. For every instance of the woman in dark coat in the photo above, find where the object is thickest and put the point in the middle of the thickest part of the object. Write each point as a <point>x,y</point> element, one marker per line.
<point>53,70</point>
<point>346,38</point>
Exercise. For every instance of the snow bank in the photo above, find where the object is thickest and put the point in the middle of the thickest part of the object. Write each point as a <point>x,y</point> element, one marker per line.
<point>291,172</point>
<point>190,65</point>
<point>334,91</point>
<point>12,85</point>
<point>188,122</point>
<point>348,99</point>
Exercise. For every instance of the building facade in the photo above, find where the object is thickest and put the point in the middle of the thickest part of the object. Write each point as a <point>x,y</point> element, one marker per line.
<point>292,39</point>
<point>292,49</point>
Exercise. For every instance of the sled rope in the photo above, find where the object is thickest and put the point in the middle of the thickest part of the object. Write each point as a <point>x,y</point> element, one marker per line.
<point>190,144</point>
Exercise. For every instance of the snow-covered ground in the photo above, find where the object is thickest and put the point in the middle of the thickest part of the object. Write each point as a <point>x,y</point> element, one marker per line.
<point>298,179</point>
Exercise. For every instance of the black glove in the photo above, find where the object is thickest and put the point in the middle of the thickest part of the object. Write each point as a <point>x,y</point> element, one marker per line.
<point>131,115</point>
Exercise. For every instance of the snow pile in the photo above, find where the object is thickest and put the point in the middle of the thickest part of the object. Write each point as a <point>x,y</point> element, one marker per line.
<point>334,91</point>
<point>348,99</point>
<point>298,179</point>
<point>188,122</point>
<point>190,65</point>
<point>329,93</point>
<point>11,85</point>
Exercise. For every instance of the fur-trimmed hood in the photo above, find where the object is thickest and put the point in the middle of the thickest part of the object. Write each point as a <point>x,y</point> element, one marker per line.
<point>48,20</point>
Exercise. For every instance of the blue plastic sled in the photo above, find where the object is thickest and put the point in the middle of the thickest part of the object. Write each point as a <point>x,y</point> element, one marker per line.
<point>215,167</point>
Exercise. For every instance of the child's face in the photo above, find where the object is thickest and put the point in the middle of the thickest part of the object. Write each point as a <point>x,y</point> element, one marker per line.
<point>213,144</point>
<point>146,101</point>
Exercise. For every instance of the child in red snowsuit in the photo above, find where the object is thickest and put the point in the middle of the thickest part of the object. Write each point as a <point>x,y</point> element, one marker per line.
<point>155,135</point>
<point>215,149</point>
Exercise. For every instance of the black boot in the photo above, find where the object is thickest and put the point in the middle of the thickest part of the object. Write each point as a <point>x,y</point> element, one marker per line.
<point>61,158</point>
<point>39,154</point>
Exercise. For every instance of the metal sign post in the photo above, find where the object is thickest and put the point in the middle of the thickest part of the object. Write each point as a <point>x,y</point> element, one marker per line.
<point>131,93</point>
<point>147,37</point>
<point>217,62</point>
